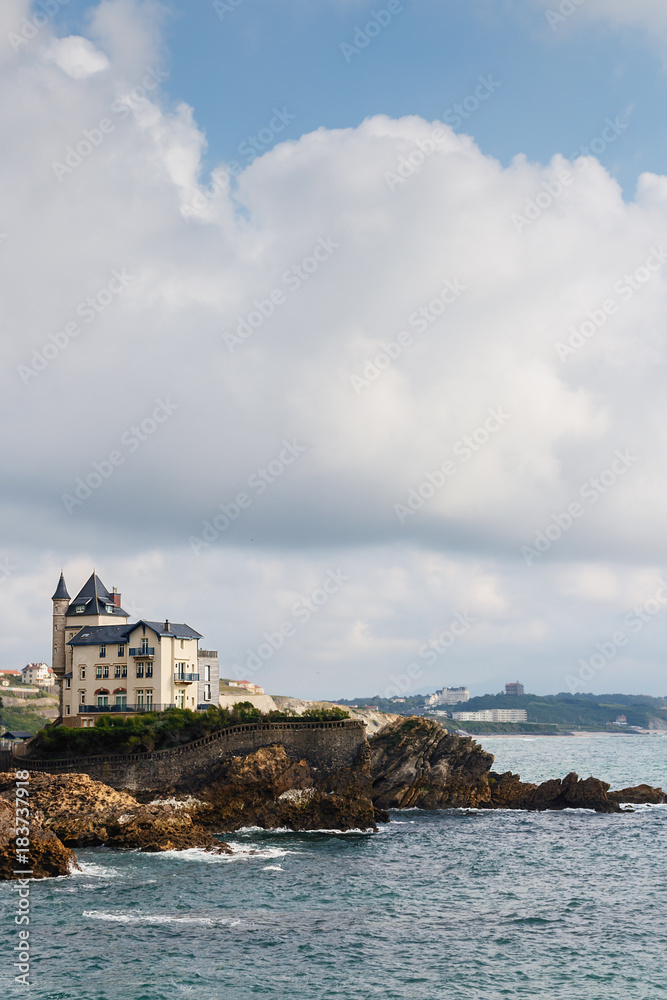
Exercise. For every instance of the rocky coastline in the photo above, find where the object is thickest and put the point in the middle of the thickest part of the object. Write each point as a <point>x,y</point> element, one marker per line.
<point>410,763</point>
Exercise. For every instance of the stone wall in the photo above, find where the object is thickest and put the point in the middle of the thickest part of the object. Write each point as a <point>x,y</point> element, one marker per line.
<point>326,746</point>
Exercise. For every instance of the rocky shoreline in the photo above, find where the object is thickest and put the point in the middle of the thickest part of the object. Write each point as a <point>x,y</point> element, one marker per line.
<point>410,763</point>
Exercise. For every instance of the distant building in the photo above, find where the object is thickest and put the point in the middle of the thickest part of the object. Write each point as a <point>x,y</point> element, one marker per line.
<point>621,720</point>
<point>493,715</point>
<point>208,666</point>
<point>7,676</point>
<point>38,673</point>
<point>247,686</point>
<point>448,696</point>
<point>514,690</point>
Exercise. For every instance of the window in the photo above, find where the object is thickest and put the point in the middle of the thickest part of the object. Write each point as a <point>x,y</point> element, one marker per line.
<point>105,670</point>
<point>140,698</point>
<point>149,699</point>
<point>68,682</point>
<point>103,701</point>
<point>149,670</point>
<point>140,670</point>
<point>181,644</point>
<point>180,670</point>
<point>144,645</point>
<point>121,701</point>
<point>180,699</point>
<point>207,673</point>
<point>82,697</point>
<point>207,692</point>
<point>103,650</point>
<point>116,670</point>
<point>67,709</point>
<point>123,670</point>
<point>98,672</point>
<point>80,608</point>
<point>121,649</point>
<point>82,673</point>
<point>110,608</point>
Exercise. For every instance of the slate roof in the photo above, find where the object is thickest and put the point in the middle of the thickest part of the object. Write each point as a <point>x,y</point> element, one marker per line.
<point>175,630</point>
<point>61,589</point>
<point>95,596</point>
<point>96,634</point>
<point>16,734</point>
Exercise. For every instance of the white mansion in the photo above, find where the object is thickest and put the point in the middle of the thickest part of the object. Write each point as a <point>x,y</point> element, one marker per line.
<point>103,664</point>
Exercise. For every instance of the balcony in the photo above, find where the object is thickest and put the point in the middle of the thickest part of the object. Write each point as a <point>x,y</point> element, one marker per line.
<point>180,678</point>
<point>146,651</point>
<point>113,709</point>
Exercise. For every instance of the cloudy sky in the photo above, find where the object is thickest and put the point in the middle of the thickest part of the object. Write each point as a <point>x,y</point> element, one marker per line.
<point>344,321</point>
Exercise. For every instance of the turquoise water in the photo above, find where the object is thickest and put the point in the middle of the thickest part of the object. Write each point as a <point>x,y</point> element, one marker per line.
<point>456,905</point>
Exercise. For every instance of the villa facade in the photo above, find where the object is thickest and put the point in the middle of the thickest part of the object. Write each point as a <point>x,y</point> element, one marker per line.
<point>104,664</point>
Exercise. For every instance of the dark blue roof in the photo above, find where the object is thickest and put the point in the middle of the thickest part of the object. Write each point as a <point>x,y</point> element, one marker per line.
<point>61,589</point>
<point>173,629</point>
<point>95,597</point>
<point>93,635</point>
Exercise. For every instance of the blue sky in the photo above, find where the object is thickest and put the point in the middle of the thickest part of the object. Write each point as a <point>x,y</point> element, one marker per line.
<point>558,86</point>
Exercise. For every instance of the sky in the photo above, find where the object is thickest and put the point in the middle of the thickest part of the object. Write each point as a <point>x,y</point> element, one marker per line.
<point>337,332</point>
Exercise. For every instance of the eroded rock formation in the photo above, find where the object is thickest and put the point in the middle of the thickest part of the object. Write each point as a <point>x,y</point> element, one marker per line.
<point>48,855</point>
<point>269,789</point>
<point>417,763</point>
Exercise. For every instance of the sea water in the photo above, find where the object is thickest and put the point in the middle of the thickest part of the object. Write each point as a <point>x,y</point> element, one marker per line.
<point>459,905</point>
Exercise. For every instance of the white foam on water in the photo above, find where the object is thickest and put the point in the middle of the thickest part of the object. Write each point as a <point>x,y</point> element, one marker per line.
<point>89,868</point>
<point>273,868</point>
<point>159,918</point>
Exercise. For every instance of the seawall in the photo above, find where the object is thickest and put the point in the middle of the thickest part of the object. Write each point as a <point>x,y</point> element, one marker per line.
<point>325,746</point>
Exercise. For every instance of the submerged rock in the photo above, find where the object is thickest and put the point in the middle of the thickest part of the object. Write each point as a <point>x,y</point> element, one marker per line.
<point>415,762</point>
<point>47,856</point>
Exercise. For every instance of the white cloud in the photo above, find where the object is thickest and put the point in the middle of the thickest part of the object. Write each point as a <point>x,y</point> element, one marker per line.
<point>77,56</point>
<point>201,258</point>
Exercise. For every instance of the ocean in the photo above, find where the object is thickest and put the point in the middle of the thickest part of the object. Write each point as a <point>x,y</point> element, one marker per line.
<point>457,904</point>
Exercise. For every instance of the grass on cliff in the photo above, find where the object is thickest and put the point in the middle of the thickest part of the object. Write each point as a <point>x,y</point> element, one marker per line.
<point>159,730</point>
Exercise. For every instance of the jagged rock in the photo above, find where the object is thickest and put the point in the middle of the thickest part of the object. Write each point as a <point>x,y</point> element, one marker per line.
<point>417,763</point>
<point>47,856</point>
<point>506,789</point>
<point>639,795</point>
<point>82,812</point>
<point>268,789</point>
<point>571,792</point>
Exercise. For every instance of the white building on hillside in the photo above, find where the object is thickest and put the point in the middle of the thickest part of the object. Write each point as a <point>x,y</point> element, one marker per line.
<point>448,696</point>
<point>39,674</point>
<point>493,715</point>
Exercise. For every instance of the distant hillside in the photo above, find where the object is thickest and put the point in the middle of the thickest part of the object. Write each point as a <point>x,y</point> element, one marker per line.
<point>580,709</point>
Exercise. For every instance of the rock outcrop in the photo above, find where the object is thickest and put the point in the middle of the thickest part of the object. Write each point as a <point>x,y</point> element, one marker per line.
<point>639,795</point>
<point>570,792</point>
<point>269,789</point>
<point>417,763</point>
<point>82,812</point>
<point>47,856</point>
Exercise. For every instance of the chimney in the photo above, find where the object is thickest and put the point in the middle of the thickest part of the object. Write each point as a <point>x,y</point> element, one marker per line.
<point>116,597</point>
<point>167,627</point>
